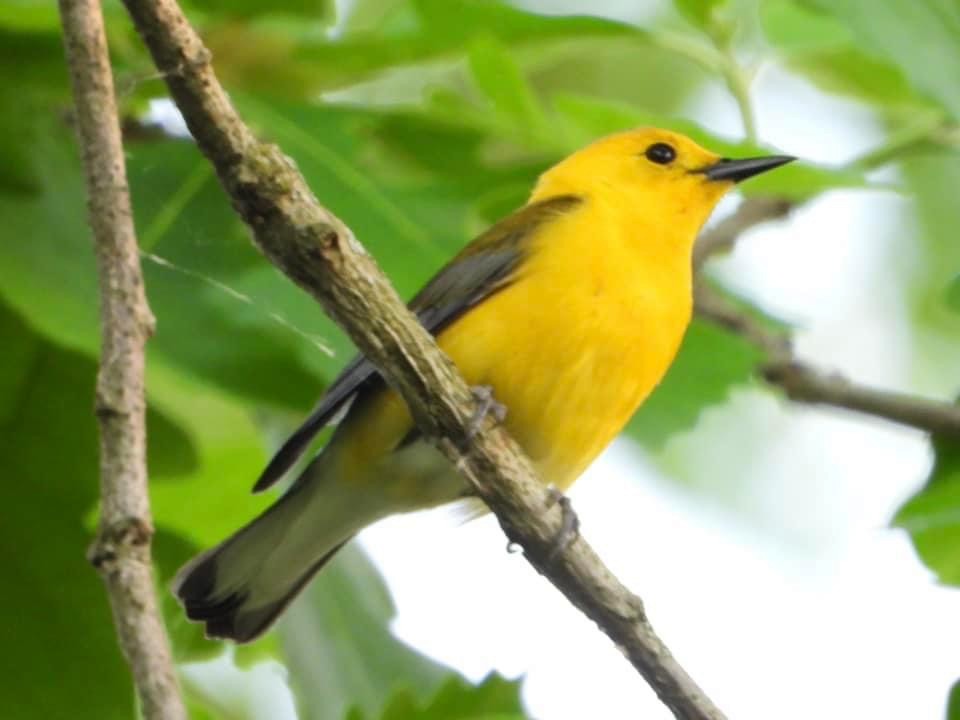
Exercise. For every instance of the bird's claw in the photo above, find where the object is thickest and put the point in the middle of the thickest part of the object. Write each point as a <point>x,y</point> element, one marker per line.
<point>486,405</point>
<point>569,526</point>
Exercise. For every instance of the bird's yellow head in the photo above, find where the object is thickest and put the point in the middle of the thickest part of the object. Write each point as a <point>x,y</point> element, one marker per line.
<point>662,174</point>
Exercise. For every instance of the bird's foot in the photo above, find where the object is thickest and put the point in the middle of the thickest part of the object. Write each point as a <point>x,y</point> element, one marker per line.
<point>569,526</point>
<point>486,405</point>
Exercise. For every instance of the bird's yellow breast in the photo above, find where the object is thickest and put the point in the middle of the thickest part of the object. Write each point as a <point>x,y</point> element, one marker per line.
<point>571,347</point>
<point>580,338</point>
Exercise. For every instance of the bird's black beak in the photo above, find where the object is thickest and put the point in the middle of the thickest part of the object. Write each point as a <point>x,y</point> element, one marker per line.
<point>729,170</point>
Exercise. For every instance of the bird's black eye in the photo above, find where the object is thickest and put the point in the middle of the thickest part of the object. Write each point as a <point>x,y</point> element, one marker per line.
<point>661,153</point>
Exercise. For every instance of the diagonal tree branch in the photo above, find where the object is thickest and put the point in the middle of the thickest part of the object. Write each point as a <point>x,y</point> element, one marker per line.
<point>321,255</point>
<point>121,550</point>
<point>799,380</point>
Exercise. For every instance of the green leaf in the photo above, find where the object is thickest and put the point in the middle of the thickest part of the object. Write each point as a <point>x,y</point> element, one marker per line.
<point>429,30</point>
<point>793,26</point>
<point>849,72</point>
<point>370,15</point>
<point>294,60</point>
<point>824,49</point>
<point>953,294</point>
<point>932,515</point>
<point>33,82</point>
<point>698,12</point>
<point>953,702</point>
<point>313,10</point>
<point>711,362</point>
<point>205,505</point>
<point>339,650</point>
<point>208,504</point>
<point>31,16</point>
<point>55,604</point>
<point>930,180</point>
<point>171,451</point>
<point>51,279</point>
<point>495,698</point>
<point>199,251</point>
<point>922,37</point>
<point>499,78</point>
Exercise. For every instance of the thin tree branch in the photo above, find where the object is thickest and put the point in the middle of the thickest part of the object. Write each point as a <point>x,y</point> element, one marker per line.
<point>321,255</point>
<point>804,383</point>
<point>799,380</point>
<point>121,550</point>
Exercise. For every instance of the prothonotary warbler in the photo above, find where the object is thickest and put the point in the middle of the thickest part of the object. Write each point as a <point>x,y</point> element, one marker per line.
<point>571,309</point>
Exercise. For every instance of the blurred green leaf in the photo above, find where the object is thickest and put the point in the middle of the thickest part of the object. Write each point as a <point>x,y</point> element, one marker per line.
<point>204,323</point>
<point>55,604</point>
<point>849,72</point>
<point>171,451</point>
<point>33,16</point>
<point>428,30</point>
<point>47,269</point>
<point>953,702</point>
<point>932,515</point>
<point>197,709</point>
<point>698,12</point>
<point>211,502</point>
<point>822,48</point>
<point>794,26</point>
<point>370,15</point>
<point>32,82</point>
<point>339,650</point>
<point>495,698</point>
<point>205,505</point>
<point>930,179</point>
<point>953,294</point>
<point>922,37</point>
<point>500,80</point>
<point>304,10</point>
<point>711,362</point>
<point>295,60</point>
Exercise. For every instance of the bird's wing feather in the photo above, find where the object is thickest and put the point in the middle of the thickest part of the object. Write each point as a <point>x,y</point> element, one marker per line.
<point>482,268</point>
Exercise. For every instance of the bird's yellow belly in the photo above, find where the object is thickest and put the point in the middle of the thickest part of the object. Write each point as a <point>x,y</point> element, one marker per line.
<point>571,366</point>
<point>571,348</point>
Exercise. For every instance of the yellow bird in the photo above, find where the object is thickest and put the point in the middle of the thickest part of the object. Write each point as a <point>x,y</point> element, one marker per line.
<point>571,310</point>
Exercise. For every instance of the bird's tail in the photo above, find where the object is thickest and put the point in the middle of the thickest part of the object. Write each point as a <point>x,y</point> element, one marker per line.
<point>239,587</point>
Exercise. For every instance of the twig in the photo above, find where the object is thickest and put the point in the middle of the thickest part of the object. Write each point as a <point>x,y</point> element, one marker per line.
<point>804,383</point>
<point>121,550</point>
<point>320,254</point>
<point>801,381</point>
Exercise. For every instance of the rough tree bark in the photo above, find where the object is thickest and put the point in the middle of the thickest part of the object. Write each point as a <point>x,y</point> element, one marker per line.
<point>121,550</point>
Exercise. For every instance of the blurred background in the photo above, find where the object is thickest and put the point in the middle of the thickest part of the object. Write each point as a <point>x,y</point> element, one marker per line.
<point>800,561</point>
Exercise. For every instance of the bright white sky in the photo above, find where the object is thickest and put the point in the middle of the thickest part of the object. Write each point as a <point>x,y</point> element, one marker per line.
<point>790,599</point>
